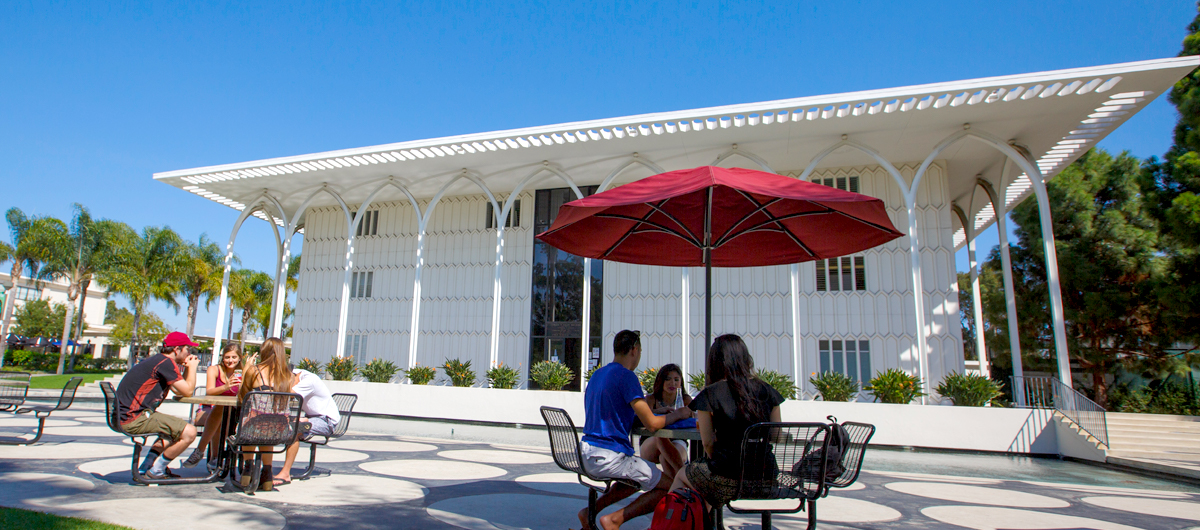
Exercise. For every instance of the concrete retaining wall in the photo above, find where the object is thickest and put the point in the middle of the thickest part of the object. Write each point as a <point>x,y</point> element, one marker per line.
<point>935,427</point>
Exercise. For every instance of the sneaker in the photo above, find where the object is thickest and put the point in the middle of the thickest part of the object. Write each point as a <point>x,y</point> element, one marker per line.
<point>155,476</point>
<point>193,459</point>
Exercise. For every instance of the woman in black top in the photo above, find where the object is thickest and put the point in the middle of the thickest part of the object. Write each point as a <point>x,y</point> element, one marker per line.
<point>733,400</point>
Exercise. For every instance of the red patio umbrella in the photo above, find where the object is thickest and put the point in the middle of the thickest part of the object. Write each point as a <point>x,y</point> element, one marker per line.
<point>727,217</point>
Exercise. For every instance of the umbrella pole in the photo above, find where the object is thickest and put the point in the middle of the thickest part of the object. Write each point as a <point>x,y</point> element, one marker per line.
<point>708,276</point>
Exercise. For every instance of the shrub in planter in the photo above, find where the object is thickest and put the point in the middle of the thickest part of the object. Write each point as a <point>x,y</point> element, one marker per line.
<point>894,386</point>
<point>834,386</point>
<point>969,390</point>
<point>646,377</point>
<point>551,375</point>
<point>459,372</point>
<point>782,382</point>
<point>588,375</point>
<point>379,371</point>
<point>697,381</point>
<point>341,369</point>
<point>420,375</point>
<point>501,376</point>
<point>309,365</point>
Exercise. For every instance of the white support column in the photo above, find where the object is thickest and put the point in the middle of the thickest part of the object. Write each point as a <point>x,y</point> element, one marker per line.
<point>1057,314</point>
<point>685,323</point>
<point>1010,299</point>
<point>416,307</point>
<point>586,325</point>
<point>344,306</point>
<point>797,339</point>
<point>496,293</point>
<point>976,299</point>
<point>281,285</point>
<point>223,298</point>
<point>918,286</point>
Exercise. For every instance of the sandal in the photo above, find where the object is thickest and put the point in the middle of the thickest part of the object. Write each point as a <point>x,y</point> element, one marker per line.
<point>281,482</point>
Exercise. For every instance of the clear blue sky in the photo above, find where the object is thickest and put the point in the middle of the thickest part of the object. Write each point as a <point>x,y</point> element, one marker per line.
<point>97,96</point>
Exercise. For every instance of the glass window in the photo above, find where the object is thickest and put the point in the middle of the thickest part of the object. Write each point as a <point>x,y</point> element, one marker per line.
<point>360,284</point>
<point>839,360</point>
<point>823,347</point>
<point>821,285</point>
<point>864,358</point>
<point>851,358</point>
<point>28,293</point>
<point>835,283</point>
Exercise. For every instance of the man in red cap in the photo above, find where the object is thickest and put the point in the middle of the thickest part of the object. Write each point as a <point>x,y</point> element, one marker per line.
<point>145,386</point>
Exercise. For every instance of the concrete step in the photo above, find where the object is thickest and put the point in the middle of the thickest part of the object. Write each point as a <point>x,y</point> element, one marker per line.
<point>1123,416</point>
<point>1178,446</point>
<point>1143,438</point>
<point>1177,468</point>
<point>1155,455</point>
<point>95,385</point>
<point>1169,426</point>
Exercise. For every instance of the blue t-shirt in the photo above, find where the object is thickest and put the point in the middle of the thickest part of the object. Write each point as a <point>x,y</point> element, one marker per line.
<point>608,410</point>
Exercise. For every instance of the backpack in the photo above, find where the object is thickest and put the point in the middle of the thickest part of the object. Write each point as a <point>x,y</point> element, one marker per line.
<point>839,441</point>
<point>681,509</point>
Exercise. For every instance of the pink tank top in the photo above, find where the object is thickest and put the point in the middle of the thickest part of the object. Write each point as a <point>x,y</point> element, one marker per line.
<point>233,390</point>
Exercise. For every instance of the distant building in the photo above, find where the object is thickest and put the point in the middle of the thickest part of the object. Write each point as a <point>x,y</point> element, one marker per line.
<point>96,332</point>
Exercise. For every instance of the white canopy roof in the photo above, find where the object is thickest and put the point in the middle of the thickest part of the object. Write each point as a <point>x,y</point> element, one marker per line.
<point>1056,115</point>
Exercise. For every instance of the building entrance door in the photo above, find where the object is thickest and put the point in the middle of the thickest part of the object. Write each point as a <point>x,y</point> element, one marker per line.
<point>556,327</point>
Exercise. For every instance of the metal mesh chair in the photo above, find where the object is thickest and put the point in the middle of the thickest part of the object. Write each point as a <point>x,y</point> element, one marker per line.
<point>852,458</point>
<point>268,419</point>
<point>345,404</point>
<point>43,411</point>
<point>14,388</point>
<point>112,416</point>
<point>781,461</point>
<point>564,446</point>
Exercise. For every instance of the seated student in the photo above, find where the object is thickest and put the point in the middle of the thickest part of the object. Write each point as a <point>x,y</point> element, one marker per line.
<point>733,400</point>
<point>319,409</point>
<point>144,387</point>
<point>612,399</point>
<point>667,396</point>
<point>224,379</point>
<point>271,374</point>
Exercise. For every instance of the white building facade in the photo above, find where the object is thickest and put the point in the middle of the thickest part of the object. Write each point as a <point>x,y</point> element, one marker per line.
<point>95,304</point>
<point>424,251</point>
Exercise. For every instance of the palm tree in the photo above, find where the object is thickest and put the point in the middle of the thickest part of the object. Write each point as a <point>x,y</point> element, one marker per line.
<point>201,277</point>
<point>145,267</point>
<point>27,255</point>
<point>76,253</point>
<point>6,253</point>
<point>252,296</point>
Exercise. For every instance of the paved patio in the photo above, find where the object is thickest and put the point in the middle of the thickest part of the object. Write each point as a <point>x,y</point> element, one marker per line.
<point>423,475</point>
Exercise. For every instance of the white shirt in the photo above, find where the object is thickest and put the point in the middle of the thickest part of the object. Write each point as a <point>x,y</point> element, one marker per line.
<point>317,399</point>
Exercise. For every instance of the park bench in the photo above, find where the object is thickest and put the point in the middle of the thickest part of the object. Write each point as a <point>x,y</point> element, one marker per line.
<point>268,419</point>
<point>345,404</point>
<point>564,446</point>
<point>65,399</point>
<point>796,454</point>
<point>14,388</point>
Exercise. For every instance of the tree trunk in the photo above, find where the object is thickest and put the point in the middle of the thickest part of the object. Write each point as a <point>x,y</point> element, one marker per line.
<point>83,287</point>
<point>72,295</point>
<point>133,340</point>
<point>229,328</point>
<point>1100,386</point>
<point>10,300</point>
<point>193,305</point>
<point>245,319</point>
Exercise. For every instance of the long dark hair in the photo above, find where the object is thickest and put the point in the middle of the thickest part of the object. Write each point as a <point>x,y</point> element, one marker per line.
<point>729,360</point>
<point>661,380</point>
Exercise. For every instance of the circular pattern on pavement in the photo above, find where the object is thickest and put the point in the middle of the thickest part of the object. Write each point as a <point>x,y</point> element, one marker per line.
<point>990,518</point>
<point>514,511</point>
<point>382,446</point>
<point>64,451</point>
<point>1155,507</point>
<point>491,456</point>
<point>346,490</point>
<point>214,513</point>
<point>1107,490</point>
<point>117,469</point>
<point>977,495</point>
<point>432,469</point>
<point>935,478</point>
<point>326,455</point>
<point>831,509</point>
<point>36,486</point>
<point>563,483</point>
<point>30,421</point>
<point>82,430</point>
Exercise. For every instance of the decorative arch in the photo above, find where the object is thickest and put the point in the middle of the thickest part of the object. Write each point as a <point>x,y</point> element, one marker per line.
<point>262,201</point>
<point>293,227</point>
<point>734,151</point>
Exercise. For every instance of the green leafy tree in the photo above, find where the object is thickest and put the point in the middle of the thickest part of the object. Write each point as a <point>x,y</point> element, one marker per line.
<point>151,329</point>
<point>202,275</point>
<point>146,266</point>
<point>1171,187</point>
<point>252,296</point>
<point>1109,243</point>
<point>37,318</point>
<point>27,256</point>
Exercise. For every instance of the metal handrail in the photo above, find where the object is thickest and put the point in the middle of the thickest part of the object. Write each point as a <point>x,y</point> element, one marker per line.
<point>1044,392</point>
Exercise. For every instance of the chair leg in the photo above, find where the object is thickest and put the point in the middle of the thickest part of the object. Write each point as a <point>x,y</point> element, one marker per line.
<point>766,521</point>
<point>718,517</point>
<point>254,473</point>
<point>812,514</point>
<point>312,464</point>
<point>41,424</point>
<point>592,496</point>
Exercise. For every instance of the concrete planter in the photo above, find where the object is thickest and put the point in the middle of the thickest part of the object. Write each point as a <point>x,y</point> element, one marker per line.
<point>938,427</point>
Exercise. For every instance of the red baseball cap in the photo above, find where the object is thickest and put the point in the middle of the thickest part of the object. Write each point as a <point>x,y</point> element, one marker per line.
<point>178,338</point>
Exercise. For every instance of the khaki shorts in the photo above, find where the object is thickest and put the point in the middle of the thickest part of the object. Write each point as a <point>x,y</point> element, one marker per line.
<point>603,463</point>
<point>166,425</point>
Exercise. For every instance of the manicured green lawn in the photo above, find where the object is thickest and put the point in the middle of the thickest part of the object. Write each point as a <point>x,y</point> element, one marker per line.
<point>57,381</point>
<point>14,518</point>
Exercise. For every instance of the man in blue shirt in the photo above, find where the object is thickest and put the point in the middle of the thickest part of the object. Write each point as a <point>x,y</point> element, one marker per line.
<point>613,398</point>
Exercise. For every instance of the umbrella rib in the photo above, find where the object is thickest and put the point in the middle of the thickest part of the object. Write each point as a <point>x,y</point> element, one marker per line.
<point>658,208</point>
<point>659,227</point>
<point>776,221</point>
<point>761,208</point>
